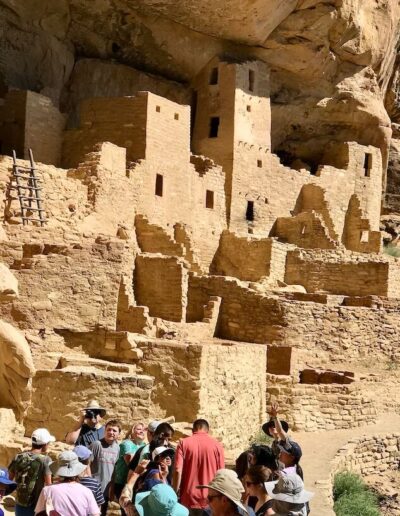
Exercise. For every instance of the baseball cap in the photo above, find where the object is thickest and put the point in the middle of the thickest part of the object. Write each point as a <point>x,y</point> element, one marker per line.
<point>292,448</point>
<point>289,488</point>
<point>162,450</point>
<point>5,478</point>
<point>82,452</point>
<point>227,483</point>
<point>152,426</point>
<point>42,436</point>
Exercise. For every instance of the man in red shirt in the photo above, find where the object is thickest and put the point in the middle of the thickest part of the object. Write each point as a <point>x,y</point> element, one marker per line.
<point>197,459</point>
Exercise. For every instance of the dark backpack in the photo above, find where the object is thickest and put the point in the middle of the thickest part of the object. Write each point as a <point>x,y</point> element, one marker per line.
<point>28,468</point>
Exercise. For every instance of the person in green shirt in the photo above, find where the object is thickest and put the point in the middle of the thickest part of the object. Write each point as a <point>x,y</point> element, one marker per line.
<point>127,449</point>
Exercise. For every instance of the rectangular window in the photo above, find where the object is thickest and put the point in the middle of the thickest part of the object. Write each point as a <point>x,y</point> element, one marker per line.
<point>158,109</point>
<point>251,80</point>
<point>214,76</point>
<point>176,116</point>
<point>250,211</point>
<point>259,163</point>
<point>210,199</point>
<point>159,185</point>
<point>367,164</point>
<point>248,108</point>
<point>214,126</point>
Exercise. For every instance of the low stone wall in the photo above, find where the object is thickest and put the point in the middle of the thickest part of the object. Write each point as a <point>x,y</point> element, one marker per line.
<point>312,407</point>
<point>59,395</point>
<point>367,455</point>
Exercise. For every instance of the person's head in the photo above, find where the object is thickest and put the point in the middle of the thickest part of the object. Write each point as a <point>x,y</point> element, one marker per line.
<point>288,493</point>
<point>161,500</point>
<point>67,466</point>
<point>7,486</point>
<point>164,432</point>
<point>224,493</point>
<point>262,455</point>
<point>290,453</point>
<point>137,433</point>
<point>151,429</point>
<point>93,413</point>
<point>163,455</point>
<point>255,478</point>
<point>269,427</point>
<point>201,425</point>
<point>84,454</point>
<point>41,438</point>
<point>112,430</point>
<point>242,464</point>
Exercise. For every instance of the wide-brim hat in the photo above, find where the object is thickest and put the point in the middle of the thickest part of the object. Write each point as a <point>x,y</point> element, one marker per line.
<point>302,496</point>
<point>160,501</point>
<point>271,424</point>
<point>5,479</point>
<point>67,465</point>
<point>94,405</point>
<point>227,483</point>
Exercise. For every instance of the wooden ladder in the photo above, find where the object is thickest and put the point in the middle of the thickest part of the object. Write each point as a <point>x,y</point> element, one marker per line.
<point>28,191</point>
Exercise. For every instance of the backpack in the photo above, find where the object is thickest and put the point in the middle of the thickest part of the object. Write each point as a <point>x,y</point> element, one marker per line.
<point>27,469</point>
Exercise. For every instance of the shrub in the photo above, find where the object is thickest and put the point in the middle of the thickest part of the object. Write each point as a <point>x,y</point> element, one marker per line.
<point>392,250</point>
<point>361,503</point>
<point>352,497</point>
<point>261,438</point>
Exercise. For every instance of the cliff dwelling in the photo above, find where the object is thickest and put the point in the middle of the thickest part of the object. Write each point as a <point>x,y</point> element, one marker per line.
<point>200,216</point>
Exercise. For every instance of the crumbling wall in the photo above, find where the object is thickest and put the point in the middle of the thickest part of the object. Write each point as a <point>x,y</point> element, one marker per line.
<point>56,401</point>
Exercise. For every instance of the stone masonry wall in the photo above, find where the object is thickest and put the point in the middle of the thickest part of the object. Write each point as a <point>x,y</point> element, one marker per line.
<point>319,407</point>
<point>212,381</point>
<point>58,397</point>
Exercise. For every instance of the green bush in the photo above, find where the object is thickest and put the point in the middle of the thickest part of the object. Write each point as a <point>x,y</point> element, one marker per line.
<point>352,497</point>
<point>357,504</point>
<point>392,250</point>
<point>261,438</point>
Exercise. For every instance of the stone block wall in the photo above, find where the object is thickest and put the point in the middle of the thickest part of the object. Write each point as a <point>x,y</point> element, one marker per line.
<point>30,120</point>
<point>161,283</point>
<point>59,396</point>
<point>212,381</point>
<point>319,407</point>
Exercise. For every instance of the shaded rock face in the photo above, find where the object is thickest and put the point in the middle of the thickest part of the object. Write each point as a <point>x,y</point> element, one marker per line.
<point>333,62</point>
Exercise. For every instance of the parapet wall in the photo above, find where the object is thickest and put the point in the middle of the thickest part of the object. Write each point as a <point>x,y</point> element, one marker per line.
<point>313,407</point>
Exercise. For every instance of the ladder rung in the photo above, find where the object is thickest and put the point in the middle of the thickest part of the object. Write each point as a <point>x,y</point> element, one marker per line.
<point>31,178</point>
<point>15,187</point>
<point>23,166</point>
<point>28,198</point>
<point>36,220</point>
<point>31,209</point>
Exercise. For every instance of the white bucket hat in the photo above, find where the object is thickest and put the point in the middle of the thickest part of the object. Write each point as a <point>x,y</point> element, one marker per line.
<point>289,488</point>
<point>67,465</point>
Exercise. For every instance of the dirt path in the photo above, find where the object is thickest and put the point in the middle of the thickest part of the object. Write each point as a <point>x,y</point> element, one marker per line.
<point>319,448</point>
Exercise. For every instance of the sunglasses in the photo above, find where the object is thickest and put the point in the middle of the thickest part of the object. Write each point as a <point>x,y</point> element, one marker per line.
<point>211,497</point>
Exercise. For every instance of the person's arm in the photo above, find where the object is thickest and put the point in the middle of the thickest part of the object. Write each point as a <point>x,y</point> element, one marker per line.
<point>73,435</point>
<point>274,414</point>
<point>127,492</point>
<point>47,472</point>
<point>41,503</point>
<point>178,466</point>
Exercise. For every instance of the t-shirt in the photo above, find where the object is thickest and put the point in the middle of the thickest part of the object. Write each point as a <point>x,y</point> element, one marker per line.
<point>198,457</point>
<point>67,499</point>
<point>43,470</point>
<point>121,467</point>
<point>104,458</point>
<point>143,452</point>
<point>94,485</point>
<point>265,506</point>
<point>89,435</point>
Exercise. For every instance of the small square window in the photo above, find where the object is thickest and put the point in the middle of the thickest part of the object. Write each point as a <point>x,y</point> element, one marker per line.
<point>248,108</point>
<point>250,211</point>
<point>214,126</point>
<point>259,163</point>
<point>158,109</point>
<point>176,116</point>
<point>210,199</point>
<point>159,185</point>
<point>364,237</point>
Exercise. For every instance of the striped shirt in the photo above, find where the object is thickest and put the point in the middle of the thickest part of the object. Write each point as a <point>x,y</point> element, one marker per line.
<point>94,486</point>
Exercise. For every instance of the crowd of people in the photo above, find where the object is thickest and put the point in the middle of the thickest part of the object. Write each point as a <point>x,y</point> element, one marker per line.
<point>148,476</point>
